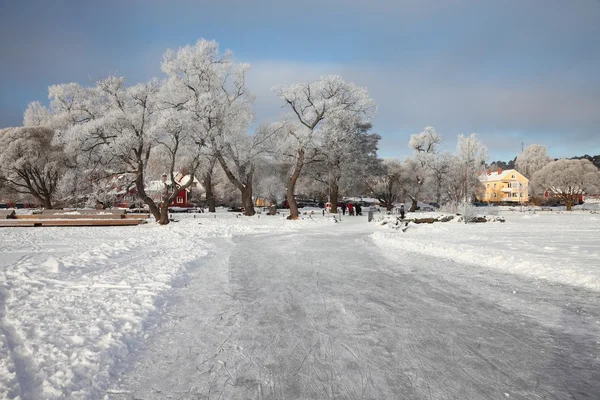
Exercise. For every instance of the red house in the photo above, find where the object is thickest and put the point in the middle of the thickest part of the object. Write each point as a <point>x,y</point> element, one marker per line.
<point>156,188</point>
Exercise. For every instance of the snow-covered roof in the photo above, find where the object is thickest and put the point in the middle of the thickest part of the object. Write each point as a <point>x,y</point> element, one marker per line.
<point>157,186</point>
<point>498,175</point>
<point>185,179</point>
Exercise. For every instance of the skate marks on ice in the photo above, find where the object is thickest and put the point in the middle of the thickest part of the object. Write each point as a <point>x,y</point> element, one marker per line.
<point>316,316</point>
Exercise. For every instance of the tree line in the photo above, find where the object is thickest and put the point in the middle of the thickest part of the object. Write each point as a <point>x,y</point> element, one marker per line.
<point>197,118</point>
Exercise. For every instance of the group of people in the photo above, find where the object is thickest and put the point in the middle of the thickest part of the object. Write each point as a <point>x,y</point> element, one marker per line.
<point>352,209</point>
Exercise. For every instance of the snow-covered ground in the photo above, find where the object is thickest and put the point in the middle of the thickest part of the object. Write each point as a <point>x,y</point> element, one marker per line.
<point>77,303</point>
<point>556,246</point>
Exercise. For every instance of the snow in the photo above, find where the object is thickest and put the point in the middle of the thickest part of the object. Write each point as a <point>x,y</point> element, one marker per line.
<point>78,299</point>
<point>557,247</point>
<point>77,304</point>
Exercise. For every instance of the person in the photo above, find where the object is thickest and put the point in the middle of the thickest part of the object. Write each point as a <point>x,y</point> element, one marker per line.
<point>358,209</point>
<point>343,207</point>
<point>402,211</point>
<point>350,209</point>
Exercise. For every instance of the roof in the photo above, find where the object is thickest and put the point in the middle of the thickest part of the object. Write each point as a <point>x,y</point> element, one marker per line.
<point>495,176</point>
<point>158,186</point>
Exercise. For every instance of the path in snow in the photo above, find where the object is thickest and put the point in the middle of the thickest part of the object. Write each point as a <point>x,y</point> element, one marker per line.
<point>327,315</point>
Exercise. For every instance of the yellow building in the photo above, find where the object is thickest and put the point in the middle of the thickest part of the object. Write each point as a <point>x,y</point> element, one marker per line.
<point>505,187</point>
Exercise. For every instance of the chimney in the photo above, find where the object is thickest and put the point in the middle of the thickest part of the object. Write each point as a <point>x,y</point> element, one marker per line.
<point>499,171</point>
<point>489,171</point>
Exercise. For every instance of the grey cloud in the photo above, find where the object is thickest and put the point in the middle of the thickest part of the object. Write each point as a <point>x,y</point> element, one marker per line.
<point>504,114</point>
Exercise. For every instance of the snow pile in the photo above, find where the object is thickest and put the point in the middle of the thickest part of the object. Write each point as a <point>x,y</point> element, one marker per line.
<point>75,301</point>
<point>561,248</point>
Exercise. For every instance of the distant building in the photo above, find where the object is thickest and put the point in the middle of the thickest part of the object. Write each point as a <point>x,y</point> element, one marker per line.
<point>507,186</point>
<point>154,189</point>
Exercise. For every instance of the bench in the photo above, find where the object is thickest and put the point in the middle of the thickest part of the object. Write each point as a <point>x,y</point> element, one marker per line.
<point>6,214</point>
<point>69,216</point>
<point>6,223</point>
<point>83,212</point>
<point>68,222</point>
<point>136,216</point>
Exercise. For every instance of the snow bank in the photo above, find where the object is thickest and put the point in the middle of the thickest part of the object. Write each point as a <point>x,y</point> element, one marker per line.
<point>562,248</point>
<point>75,300</point>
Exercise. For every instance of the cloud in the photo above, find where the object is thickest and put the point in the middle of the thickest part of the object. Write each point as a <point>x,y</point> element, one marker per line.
<point>513,71</point>
<point>503,113</point>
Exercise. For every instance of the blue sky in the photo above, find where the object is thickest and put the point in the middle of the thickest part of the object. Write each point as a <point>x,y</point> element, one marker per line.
<point>512,71</point>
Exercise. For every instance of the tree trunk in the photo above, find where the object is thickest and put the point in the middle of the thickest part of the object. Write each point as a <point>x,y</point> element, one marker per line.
<point>247,201</point>
<point>164,214</point>
<point>292,201</point>
<point>569,203</point>
<point>413,205</point>
<point>48,203</point>
<point>210,198</point>
<point>244,187</point>
<point>335,190</point>
<point>292,186</point>
<point>141,190</point>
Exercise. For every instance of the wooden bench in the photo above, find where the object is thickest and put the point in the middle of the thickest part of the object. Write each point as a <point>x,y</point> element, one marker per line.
<point>5,214</point>
<point>68,222</point>
<point>6,223</point>
<point>80,216</point>
<point>136,216</point>
<point>83,212</point>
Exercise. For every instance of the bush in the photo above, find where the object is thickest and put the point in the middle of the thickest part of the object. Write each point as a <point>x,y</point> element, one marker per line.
<point>468,211</point>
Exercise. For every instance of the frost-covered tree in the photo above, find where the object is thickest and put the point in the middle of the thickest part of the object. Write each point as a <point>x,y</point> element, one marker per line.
<point>238,156</point>
<point>470,159</point>
<point>426,148</point>
<point>349,153</point>
<point>533,158</point>
<point>31,162</point>
<point>311,105</point>
<point>417,168</point>
<point>37,115</point>
<point>208,182</point>
<point>271,187</point>
<point>426,142</point>
<point>439,165</point>
<point>386,184</point>
<point>414,176</point>
<point>568,179</point>
<point>454,187</point>
<point>210,88</point>
<point>114,128</point>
